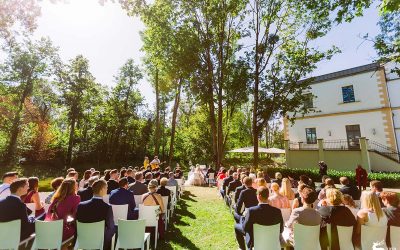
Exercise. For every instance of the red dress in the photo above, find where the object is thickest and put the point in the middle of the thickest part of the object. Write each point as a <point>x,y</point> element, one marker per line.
<point>361,177</point>
<point>64,209</point>
<point>28,199</point>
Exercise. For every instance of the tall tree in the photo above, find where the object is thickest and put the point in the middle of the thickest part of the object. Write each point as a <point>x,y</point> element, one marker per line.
<point>27,64</point>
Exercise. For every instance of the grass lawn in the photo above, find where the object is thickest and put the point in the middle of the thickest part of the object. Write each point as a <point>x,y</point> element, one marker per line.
<point>202,221</point>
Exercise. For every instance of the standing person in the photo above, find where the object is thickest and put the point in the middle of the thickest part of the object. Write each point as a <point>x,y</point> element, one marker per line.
<point>95,210</point>
<point>323,168</point>
<point>146,162</point>
<point>362,177</point>
<point>155,163</point>
<point>64,204</point>
<point>8,178</point>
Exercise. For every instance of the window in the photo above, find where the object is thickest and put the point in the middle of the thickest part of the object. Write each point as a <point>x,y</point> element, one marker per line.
<point>348,94</point>
<point>311,135</point>
<point>308,101</point>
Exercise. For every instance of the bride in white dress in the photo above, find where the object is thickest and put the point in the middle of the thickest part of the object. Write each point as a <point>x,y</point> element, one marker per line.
<point>195,177</point>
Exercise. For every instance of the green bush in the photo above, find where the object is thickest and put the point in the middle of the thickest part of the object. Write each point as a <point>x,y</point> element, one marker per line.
<point>389,180</point>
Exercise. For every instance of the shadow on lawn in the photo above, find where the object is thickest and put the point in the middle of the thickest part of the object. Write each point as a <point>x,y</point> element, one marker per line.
<point>174,235</point>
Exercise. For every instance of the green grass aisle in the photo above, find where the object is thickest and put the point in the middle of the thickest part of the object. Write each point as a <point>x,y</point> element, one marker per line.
<point>202,221</point>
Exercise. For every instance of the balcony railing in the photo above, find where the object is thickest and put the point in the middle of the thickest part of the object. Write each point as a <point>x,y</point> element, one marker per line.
<point>302,146</point>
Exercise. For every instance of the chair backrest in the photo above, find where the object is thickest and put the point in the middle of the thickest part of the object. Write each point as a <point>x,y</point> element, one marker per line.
<point>138,200</point>
<point>165,201</point>
<point>90,235</point>
<point>345,237</point>
<point>131,233</point>
<point>395,237</point>
<point>150,214</point>
<point>43,195</point>
<point>48,234</point>
<point>211,176</point>
<point>371,235</point>
<point>172,189</point>
<point>306,237</point>
<point>120,212</point>
<point>286,213</point>
<point>266,237</point>
<point>106,198</point>
<point>10,234</point>
<point>180,182</point>
<point>31,206</point>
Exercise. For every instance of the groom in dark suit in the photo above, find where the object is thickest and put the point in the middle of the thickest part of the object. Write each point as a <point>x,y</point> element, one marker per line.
<point>262,214</point>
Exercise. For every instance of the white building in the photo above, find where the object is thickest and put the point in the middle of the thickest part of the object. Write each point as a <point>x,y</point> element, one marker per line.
<point>359,102</point>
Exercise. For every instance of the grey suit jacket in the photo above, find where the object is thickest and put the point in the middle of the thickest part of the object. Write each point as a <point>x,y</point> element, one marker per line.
<point>304,216</point>
<point>138,188</point>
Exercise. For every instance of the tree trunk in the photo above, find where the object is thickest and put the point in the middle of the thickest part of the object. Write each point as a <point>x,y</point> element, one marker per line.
<point>157,130</point>
<point>220,128</point>
<point>71,141</point>
<point>256,88</point>
<point>173,125</point>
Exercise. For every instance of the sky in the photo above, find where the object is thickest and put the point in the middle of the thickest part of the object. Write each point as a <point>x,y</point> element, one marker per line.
<point>108,38</point>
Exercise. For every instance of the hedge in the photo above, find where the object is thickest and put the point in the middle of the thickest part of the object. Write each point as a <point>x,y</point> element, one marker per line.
<point>389,180</point>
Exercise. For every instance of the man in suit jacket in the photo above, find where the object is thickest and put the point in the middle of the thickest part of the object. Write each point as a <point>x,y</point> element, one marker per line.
<point>95,210</point>
<point>349,189</point>
<point>122,196</point>
<point>87,193</point>
<point>262,214</point>
<point>232,187</point>
<point>12,208</point>
<point>138,187</point>
<point>247,198</point>
<point>112,183</point>
<point>226,182</point>
<point>239,189</point>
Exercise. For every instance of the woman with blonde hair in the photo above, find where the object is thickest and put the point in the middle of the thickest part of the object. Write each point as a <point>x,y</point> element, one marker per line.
<point>63,206</point>
<point>286,189</point>
<point>260,182</point>
<point>276,199</point>
<point>329,183</point>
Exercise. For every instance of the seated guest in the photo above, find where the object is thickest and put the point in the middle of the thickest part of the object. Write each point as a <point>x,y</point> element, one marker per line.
<point>304,179</point>
<point>112,183</point>
<point>305,215</point>
<point>226,182</point>
<point>8,178</point>
<point>349,189</point>
<point>153,199</point>
<point>260,182</point>
<point>286,189</point>
<point>96,173</point>
<point>297,202</point>
<point>239,189</point>
<point>278,178</point>
<point>130,175</point>
<point>172,182</point>
<point>148,170</point>
<point>335,214</point>
<point>276,199</point>
<point>33,196</point>
<point>83,183</point>
<point>392,211</point>
<point>63,205</point>
<point>350,204</point>
<point>371,214</point>
<point>55,183</point>
<point>329,183</point>
<point>234,184</point>
<point>122,196</point>
<point>247,198</point>
<point>73,174</point>
<point>266,177</point>
<point>106,175</point>
<point>87,193</point>
<point>322,185</point>
<point>222,174</point>
<point>147,178</point>
<point>178,173</point>
<point>138,187</point>
<point>163,191</point>
<point>377,188</point>
<point>293,182</point>
<point>95,210</point>
<point>12,208</point>
<point>262,214</point>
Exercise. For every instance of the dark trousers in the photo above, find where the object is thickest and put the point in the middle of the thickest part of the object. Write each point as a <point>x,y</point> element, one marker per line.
<point>240,236</point>
<point>222,193</point>
<point>237,217</point>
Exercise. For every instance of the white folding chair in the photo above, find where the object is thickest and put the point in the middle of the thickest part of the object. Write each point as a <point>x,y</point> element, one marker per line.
<point>43,195</point>
<point>106,198</point>
<point>344,236</point>
<point>395,237</point>
<point>371,235</point>
<point>180,185</point>
<point>150,215</point>
<point>10,234</point>
<point>131,234</point>
<point>165,201</point>
<point>173,193</point>
<point>266,237</point>
<point>286,213</point>
<point>306,237</point>
<point>138,200</point>
<point>32,207</point>
<point>119,212</point>
<point>48,235</point>
<point>90,235</point>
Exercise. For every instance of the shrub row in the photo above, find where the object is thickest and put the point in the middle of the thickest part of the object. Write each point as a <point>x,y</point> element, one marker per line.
<point>389,180</point>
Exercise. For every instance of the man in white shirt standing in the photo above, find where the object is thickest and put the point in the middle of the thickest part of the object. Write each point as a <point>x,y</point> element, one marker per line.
<point>8,178</point>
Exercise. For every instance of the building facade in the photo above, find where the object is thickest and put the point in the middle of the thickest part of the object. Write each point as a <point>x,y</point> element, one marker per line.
<point>347,105</point>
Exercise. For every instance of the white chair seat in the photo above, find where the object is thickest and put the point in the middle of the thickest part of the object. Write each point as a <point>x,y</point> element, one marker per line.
<point>119,212</point>
<point>131,234</point>
<point>10,234</point>
<point>371,235</point>
<point>138,200</point>
<point>48,235</point>
<point>150,215</point>
<point>90,235</point>
<point>266,237</point>
<point>395,237</point>
<point>306,237</point>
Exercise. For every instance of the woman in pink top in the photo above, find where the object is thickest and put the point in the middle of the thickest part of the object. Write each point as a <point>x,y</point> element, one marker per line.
<point>63,207</point>
<point>276,199</point>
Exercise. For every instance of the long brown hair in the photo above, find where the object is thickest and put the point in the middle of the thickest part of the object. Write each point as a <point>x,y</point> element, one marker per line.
<point>66,188</point>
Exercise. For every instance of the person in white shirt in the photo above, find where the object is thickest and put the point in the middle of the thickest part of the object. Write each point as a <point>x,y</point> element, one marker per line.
<point>8,178</point>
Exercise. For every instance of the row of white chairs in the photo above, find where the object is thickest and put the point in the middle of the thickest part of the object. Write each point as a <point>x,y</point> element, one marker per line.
<point>307,237</point>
